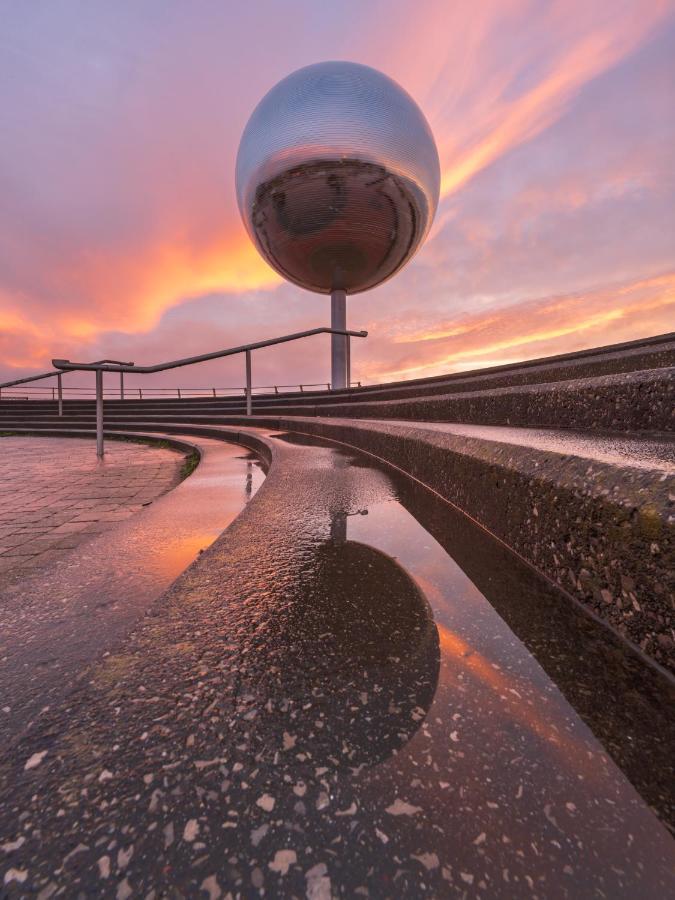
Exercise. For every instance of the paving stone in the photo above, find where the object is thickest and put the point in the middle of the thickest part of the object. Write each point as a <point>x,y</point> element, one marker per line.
<point>56,493</point>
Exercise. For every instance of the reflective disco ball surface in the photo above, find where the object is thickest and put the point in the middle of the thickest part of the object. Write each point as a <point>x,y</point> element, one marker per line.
<point>337,177</point>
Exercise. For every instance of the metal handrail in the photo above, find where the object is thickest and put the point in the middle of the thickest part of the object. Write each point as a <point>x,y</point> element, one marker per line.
<point>59,375</point>
<point>110,366</point>
<point>180,392</point>
<point>57,371</point>
<point>204,357</point>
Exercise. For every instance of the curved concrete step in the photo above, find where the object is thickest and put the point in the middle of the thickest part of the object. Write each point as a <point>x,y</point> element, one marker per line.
<point>593,515</point>
<point>657,353</point>
<point>247,703</point>
<point>637,401</point>
<point>594,518</point>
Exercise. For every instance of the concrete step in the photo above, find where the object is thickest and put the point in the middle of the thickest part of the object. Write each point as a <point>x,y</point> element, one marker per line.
<point>634,401</point>
<point>649,354</point>
<point>592,514</point>
<point>238,629</point>
<point>628,387</point>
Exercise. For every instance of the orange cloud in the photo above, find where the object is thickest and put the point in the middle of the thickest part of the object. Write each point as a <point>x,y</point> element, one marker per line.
<point>537,328</point>
<point>132,291</point>
<point>99,291</point>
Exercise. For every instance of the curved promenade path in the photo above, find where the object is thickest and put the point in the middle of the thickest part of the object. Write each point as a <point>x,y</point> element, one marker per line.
<point>353,691</point>
<point>55,493</point>
<point>79,599</point>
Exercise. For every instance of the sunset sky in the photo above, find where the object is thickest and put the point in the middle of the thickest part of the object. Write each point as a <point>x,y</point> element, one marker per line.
<point>120,235</point>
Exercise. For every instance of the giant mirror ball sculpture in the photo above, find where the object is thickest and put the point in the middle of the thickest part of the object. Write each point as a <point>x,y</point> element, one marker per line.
<point>337,177</point>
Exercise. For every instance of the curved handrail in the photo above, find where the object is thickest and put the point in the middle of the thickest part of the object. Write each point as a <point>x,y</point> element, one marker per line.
<point>67,365</point>
<point>111,366</point>
<point>58,371</point>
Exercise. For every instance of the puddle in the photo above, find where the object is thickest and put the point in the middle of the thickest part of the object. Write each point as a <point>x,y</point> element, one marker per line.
<point>532,698</point>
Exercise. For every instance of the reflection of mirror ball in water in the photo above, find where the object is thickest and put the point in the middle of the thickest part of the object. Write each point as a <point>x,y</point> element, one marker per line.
<point>337,177</point>
<point>351,675</point>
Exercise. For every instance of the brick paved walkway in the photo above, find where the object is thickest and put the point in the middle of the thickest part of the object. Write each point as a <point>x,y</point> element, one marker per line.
<point>54,493</point>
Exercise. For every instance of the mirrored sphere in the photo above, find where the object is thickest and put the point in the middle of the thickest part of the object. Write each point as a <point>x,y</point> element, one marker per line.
<point>337,177</point>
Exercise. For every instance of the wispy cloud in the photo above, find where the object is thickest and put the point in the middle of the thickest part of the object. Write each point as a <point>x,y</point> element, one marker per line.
<point>501,121</point>
<point>536,328</point>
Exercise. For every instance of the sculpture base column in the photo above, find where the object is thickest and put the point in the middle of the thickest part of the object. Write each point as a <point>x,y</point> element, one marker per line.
<point>339,346</point>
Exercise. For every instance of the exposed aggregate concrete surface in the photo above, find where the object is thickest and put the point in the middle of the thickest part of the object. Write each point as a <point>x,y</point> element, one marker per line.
<point>295,719</point>
<point>604,532</point>
<point>71,606</point>
<point>634,401</point>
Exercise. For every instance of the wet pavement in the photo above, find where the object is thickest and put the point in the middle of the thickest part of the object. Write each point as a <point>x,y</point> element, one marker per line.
<point>56,493</point>
<point>72,608</point>
<point>353,692</point>
<point>601,531</point>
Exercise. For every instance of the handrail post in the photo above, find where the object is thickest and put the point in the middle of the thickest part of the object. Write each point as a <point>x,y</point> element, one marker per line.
<point>60,390</point>
<point>121,385</point>
<point>249,399</point>
<point>214,391</point>
<point>348,361</point>
<point>99,414</point>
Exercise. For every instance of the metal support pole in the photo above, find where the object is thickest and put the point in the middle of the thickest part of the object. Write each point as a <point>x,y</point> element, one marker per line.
<point>121,385</point>
<point>348,373</point>
<point>249,399</point>
<point>99,414</point>
<point>338,342</point>
<point>60,390</point>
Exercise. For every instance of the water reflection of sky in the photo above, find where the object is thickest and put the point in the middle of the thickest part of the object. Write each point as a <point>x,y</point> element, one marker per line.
<point>502,763</point>
<point>477,646</point>
<point>216,498</point>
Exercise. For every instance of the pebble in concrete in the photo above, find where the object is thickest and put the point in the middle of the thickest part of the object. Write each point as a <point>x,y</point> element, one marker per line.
<point>268,730</point>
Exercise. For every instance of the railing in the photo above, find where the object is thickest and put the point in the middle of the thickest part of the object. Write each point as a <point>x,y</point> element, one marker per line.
<point>59,378</point>
<point>124,393</point>
<point>107,366</point>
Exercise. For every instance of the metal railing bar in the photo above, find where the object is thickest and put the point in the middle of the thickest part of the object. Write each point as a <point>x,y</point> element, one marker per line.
<point>59,388</point>
<point>112,365</point>
<point>7,384</point>
<point>67,365</point>
<point>58,371</point>
<point>185,391</point>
